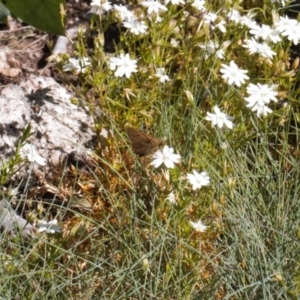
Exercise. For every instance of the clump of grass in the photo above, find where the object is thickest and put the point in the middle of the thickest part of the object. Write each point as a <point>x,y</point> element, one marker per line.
<point>15,162</point>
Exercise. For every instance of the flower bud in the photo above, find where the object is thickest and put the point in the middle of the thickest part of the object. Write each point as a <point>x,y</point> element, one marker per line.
<point>295,63</point>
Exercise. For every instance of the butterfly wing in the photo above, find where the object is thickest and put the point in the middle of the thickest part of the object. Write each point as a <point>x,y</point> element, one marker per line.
<point>142,144</point>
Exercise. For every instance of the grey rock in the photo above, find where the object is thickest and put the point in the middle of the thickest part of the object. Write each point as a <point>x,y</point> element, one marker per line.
<point>58,126</point>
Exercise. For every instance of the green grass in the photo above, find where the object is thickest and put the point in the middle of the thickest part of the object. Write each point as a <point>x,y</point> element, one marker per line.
<point>134,244</point>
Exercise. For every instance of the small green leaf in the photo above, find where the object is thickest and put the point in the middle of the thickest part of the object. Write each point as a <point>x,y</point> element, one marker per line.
<point>4,12</point>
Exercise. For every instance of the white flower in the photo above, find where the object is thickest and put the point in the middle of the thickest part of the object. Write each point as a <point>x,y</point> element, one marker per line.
<point>261,32</point>
<point>260,95</point>
<point>135,26</point>
<point>199,5</point>
<point>209,17</point>
<point>290,28</point>
<point>175,2</point>
<point>220,54</point>
<point>32,155</point>
<point>293,34</point>
<point>77,65</point>
<point>197,180</point>
<point>252,45</point>
<point>171,198</point>
<point>49,227</point>
<point>198,226</point>
<point>123,65</point>
<point>262,49</point>
<point>174,43</point>
<point>260,108</point>
<point>233,74</point>
<point>285,23</point>
<point>234,16</point>
<point>247,20</point>
<point>221,26</point>
<point>220,119</point>
<point>166,157</point>
<point>274,36</point>
<point>124,13</point>
<point>211,48</point>
<point>153,7</point>
<point>161,74</point>
<point>96,4</point>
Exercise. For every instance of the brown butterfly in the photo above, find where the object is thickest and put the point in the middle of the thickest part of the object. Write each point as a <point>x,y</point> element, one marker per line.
<point>143,144</point>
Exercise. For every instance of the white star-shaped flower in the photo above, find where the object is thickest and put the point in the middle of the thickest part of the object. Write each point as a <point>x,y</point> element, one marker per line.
<point>221,26</point>
<point>96,4</point>
<point>135,26</point>
<point>293,33</point>
<point>260,95</point>
<point>285,23</point>
<point>289,28</point>
<point>197,180</point>
<point>123,13</point>
<point>166,157</point>
<point>174,42</point>
<point>260,108</point>
<point>274,36</point>
<point>199,5</point>
<point>248,21</point>
<point>233,74</point>
<point>234,16</point>
<point>198,226</point>
<point>261,31</point>
<point>32,155</point>
<point>175,2</point>
<point>252,45</point>
<point>77,65</point>
<point>209,17</point>
<point>171,198</point>
<point>161,74</point>
<point>123,65</point>
<point>262,49</point>
<point>49,227</point>
<point>220,119</point>
<point>153,7</point>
